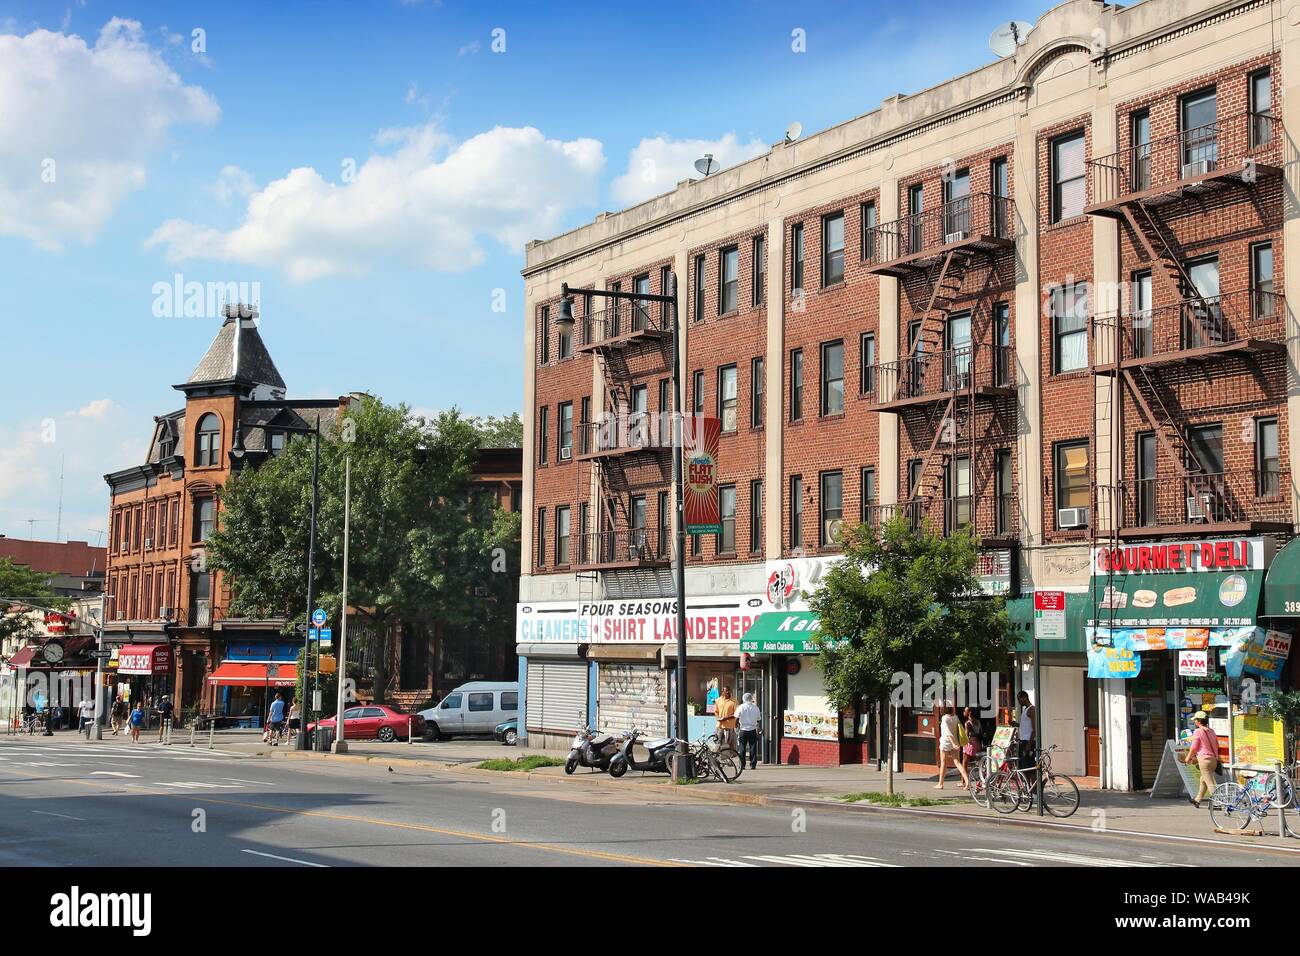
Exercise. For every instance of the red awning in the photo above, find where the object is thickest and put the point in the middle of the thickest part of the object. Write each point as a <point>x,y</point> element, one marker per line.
<point>253,675</point>
<point>24,656</point>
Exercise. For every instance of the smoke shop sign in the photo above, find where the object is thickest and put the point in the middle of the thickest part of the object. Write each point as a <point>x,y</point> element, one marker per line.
<point>719,619</point>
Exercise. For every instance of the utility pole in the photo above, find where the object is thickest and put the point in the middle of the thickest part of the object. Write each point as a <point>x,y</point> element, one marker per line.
<point>304,741</point>
<point>340,742</point>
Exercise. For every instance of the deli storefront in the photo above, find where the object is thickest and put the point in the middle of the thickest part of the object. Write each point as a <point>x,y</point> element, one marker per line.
<point>613,664</point>
<point>1186,626</point>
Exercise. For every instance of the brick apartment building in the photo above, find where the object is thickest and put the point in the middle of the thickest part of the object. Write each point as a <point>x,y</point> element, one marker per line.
<point>167,614</point>
<point>1046,299</point>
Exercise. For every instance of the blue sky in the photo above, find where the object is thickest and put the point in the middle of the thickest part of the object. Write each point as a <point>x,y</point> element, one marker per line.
<point>375,168</point>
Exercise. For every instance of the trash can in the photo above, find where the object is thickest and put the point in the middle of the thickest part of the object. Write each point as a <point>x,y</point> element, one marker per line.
<point>324,739</point>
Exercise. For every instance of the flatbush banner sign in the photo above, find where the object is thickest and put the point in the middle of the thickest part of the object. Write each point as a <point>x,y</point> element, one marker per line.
<point>701,441</point>
<point>712,620</point>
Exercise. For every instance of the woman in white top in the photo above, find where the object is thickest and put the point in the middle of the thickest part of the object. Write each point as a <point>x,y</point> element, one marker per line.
<point>950,745</point>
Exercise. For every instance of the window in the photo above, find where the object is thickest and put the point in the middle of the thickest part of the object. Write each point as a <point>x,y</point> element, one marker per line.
<point>726,543</point>
<point>584,440</point>
<point>796,511</point>
<point>639,545</point>
<point>867,363</point>
<point>452,702</point>
<point>665,281</point>
<point>1197,115</point>
<point>1069,305</point>
<point>562,520</point>
<point>760,269</point>
<point>1001,191</point>
<point>868,502</point>
<point>564,343</point>
<point>175,529</point>
<point>546,334</point>
<point>1268,464</point>
<point>1140,131</point>
<point>566,430</point>
<point>915,380</point>
<point>1069,177</point>
<point>833,249</point>
<point>1261,108</point>
<point>868,230</point>
<point>151,521</point>
<point>699,288</point>
<point>832,505</point>
<point>161,540</point>
<point>641,307</point>
<point>796,255</point>
<point>664,527</point>
<point>729,280</point>
<point>1073,483</point>
<point>1203,324</point>
<point>1206,443</point>
<point>958,343</point>
<point>614,310</point>
<point>139,528</point>
<point>1261,279</point>
<point>727,401</point>
<point>756,388</point>
<point>543,435</point>
<point>1140,317</point>
<point>480,701</point>
<point>796,385</point>
<point>665,412</point>
<point>638,423</point>
<point>584,532</point>
<point>755,516</point>
<point>958,490</point>
<point>1001,344</point>
<point>200,599</point>
<point>832,378</point>
<point>510,700</point>
<point>915,206</point>
<point>1003,517</point>
<point>204,508</point>
<point>956,205</point>
<point>1145,464</point>
<point>541,537</point>
<point>209,441</point>
<point>699,392</point>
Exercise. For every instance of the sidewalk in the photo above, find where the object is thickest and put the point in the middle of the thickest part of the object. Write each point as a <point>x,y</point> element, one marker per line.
<point>788,785</point>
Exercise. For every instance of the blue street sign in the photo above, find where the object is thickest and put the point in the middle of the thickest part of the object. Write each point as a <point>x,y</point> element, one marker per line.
<point>326,635</point>
<point>318,616</point>
<point>312,634</point>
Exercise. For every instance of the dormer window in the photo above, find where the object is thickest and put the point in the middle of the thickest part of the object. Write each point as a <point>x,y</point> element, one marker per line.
<point>277,443</point>
<point>209,441</point>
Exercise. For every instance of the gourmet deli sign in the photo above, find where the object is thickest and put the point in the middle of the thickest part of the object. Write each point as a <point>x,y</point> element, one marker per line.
<point>710,620</point>
<point>1229,554</point>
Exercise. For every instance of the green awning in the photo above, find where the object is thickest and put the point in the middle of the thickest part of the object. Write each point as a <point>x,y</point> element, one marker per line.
<point>1282,584</point>
<point>1078,608</point>
<point>1190,599</point>
<point>783,632</point>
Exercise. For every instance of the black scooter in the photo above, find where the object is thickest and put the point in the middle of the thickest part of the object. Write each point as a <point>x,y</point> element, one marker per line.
<point>590,749</point>
<point>657,754</point>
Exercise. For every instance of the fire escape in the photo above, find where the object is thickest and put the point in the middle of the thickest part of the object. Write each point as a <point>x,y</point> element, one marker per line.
<point>948,375</point>
<point>1144,350</point>
<point>626,450</point>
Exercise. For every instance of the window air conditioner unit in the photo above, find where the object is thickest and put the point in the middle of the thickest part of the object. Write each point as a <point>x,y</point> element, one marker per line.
<point>148,543</point>
<point>960,236</point>
<point>1197,508</point>
<point>1198,168</point>
<point>165,613</point>
<point>1071,517</point>
<point>566,453</point>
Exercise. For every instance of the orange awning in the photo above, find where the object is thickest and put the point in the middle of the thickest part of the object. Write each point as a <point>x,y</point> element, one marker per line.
<point>253,675</point>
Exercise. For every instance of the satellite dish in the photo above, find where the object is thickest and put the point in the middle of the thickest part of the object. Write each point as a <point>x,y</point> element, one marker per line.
<point>1007,37</point>
<point>793,131</point>
<point>706,165</point>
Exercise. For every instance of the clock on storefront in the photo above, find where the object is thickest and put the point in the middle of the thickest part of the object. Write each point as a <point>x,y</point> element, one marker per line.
<point>52,652</point>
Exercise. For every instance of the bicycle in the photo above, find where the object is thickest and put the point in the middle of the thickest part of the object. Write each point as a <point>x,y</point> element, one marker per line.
<point>1008,787</point>
<point>713,761</point>
<point>1236,806</point>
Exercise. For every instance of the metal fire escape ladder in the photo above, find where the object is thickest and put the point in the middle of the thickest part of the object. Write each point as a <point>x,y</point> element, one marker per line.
<point>1160,250</point>
<point>1164,424</point>
<point>928,481</point>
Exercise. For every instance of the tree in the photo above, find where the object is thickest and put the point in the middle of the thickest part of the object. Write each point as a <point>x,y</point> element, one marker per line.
<point>903,597</point>
<point>21,586</point>
<point>504,432</point>
<point>421,543</point>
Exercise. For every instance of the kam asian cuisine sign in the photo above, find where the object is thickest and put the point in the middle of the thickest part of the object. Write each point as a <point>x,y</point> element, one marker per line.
<point>710,620</point>
<point>700,471</point>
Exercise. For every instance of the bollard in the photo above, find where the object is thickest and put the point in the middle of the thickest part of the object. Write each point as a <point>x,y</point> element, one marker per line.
<point>410,736</point>
<point>193,727</point>
<point>1278,797</point>
<point>212,729</point>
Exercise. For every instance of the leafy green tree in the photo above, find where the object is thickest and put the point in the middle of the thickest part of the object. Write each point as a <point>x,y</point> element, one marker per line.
<point>903,597</point>
<point>504,432</point>
<point>19,584</point>
<point>421,543</point>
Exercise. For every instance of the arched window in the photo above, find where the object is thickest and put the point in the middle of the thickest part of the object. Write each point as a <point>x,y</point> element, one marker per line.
<point>209,443</point>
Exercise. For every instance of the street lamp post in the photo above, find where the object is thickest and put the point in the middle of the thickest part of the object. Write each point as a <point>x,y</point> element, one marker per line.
<point>96,730</point>
<point>683,765</point>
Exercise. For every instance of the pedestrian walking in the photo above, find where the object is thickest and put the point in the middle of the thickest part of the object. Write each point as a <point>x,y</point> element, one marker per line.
<point>295,717</point>
<point>1204,751</point>
<point>119,714</point>
<point>974,745</point>
<point>725,711</point>
<point>950,745</point>
<point>1028,717</point>
<point>275,726</point>
<point>748,720</point>
<point>164,711</point>
<point>87,711</point>
<point>137,722</point>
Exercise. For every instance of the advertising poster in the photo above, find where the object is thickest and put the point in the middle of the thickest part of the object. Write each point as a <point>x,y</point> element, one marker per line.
<point>1257,740</point>
<point>700,469</point>
<point>809,726</point>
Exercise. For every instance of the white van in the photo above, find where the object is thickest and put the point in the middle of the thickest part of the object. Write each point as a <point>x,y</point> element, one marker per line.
<point>473,708</point>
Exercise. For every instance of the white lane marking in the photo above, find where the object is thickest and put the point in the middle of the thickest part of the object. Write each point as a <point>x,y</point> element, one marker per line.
<point>113,773</point>
<point>287,859</point>
<point>62,816</point>
<point>1049,856</point>
<point>256,783</point>
<point>712,861</point>
<point>985,859</point>
<point>44,763</point>
<point>196,785</point>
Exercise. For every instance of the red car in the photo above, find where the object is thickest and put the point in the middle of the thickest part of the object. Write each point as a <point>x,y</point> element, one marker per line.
<point>376,720</point>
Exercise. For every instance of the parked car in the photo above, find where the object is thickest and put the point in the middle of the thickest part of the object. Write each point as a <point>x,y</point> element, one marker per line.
<point>473,708</point>
<point>375,720</point>
<point>508,732</point>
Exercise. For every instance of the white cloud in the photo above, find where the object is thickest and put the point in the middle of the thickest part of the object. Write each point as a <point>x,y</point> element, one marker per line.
<point>426,203</point>
<point>99,408</point>
<point>88,117</point>
<point>468,49</point>
<point>657,165</point>
<point>231,182</point>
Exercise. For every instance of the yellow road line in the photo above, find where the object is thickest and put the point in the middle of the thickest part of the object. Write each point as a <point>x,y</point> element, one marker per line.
<point>422,827</point>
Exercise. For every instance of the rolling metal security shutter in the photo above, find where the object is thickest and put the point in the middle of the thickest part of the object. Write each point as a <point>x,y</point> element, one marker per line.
<point>557,696</point>
<point>632,695</point>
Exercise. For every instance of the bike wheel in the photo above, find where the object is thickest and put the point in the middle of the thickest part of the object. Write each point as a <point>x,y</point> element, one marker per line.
<point>734,757</point>
<point>1027,786</point>
<point>1004,792</point>
<point>979,791</point>
<point>1230,807</point>
<point>1060,795</point>
<point>729,764</point>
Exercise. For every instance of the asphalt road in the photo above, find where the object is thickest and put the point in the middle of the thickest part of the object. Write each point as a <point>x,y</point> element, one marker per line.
<point>64,802</point>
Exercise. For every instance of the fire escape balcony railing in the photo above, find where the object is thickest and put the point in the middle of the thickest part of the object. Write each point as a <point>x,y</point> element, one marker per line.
<point>977,219</point>
<point>987,370</point>
<point>1241,146</point>
<point>635,433</point>
<point>620,325</point>
<point>1240,499</point>
<point>992,516</point>
<point>623,548</point>
<point>1247,320</point>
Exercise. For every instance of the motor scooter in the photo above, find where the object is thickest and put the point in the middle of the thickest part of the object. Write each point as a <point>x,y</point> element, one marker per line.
<point>590,749</point>
<point>657,750</point>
